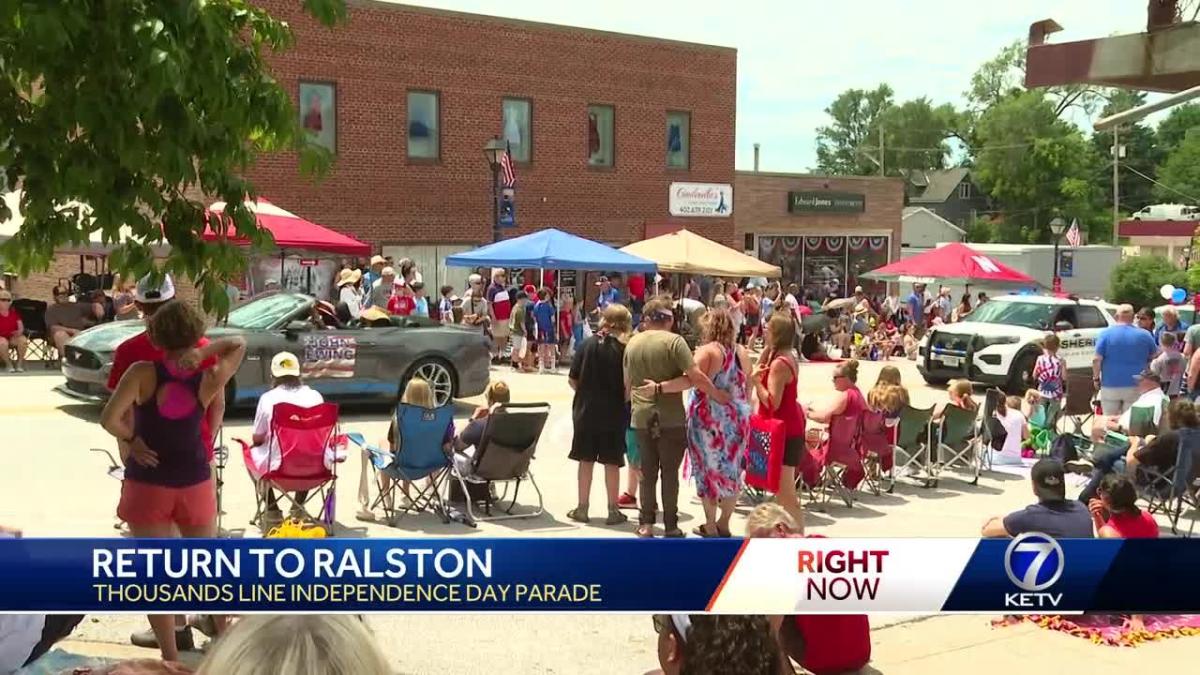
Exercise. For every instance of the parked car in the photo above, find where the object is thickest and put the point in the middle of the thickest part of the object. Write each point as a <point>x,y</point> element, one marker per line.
<point>1168,212</point>
<point>1001,340</point>
<point>350,363</point>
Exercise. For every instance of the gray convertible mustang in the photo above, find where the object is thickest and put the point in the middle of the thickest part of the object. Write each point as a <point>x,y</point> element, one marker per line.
<point>347,363</point>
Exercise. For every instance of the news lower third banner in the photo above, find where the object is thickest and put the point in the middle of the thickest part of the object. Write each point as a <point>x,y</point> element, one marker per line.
<point>1030,574</point>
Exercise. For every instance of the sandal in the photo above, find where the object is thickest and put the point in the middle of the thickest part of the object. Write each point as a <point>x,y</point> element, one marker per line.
<point>674,533</point>
<point>703,531</point>
<point>578,514</point>
<point>615,517</point>
<point>726,533</point>
<point>645,531</point>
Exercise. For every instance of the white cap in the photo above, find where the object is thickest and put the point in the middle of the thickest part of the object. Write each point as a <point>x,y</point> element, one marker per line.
<point>284,364</point>
<point>148,293</point>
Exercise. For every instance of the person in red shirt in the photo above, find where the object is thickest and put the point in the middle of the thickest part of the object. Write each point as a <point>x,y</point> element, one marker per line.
<point>12,333</point>
<point>402,302</point>
<point>820,643</point>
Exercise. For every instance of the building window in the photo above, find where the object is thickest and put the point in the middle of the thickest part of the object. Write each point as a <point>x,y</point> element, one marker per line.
<point>424,132</point>
<point>517,117</point>
<point>964,190</point>
<point>600,135</point>
<point>679,131</point>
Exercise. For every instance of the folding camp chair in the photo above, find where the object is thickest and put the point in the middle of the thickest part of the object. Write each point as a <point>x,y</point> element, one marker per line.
<point>33,318</point>
<point>298,440</point>
<point>878,455</point>
<point>503,455</point>
<point>910,452</point>
<point>991,430</point>
<point>1169,492</point>
<point>838,458</point>
<point>1081,404</point>
<point>418,455</point>
<point>1043,425</point>
<point>958,444</point>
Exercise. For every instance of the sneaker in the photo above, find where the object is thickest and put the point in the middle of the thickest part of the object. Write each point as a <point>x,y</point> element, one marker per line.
<point>146,639</point>
<point>1080,465</point>
<point>20,369</point>
<point>627,501</point>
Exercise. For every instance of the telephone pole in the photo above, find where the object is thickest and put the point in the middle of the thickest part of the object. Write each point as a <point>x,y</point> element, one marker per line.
<point>1116,181</point>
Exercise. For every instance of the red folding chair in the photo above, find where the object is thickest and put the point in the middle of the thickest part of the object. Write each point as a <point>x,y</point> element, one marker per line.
<point>835,465</point>
<point>301,436</point>
<point>878,442</point>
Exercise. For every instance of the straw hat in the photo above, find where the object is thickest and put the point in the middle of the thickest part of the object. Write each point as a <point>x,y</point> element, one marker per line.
<point>348,277</point>
<point>371,314</point>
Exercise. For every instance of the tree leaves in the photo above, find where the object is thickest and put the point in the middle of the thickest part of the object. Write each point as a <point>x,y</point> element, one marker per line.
<point>133,109</point>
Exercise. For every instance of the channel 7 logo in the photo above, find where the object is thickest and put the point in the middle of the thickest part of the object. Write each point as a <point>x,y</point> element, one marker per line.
<point>1034,562</point>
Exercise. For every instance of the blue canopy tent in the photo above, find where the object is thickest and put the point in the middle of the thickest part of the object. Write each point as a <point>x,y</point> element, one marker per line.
<point>552,249</point>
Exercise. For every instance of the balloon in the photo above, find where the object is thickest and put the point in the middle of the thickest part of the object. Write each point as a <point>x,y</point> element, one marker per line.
<point>1179,295</point>
<point>1166,291</point>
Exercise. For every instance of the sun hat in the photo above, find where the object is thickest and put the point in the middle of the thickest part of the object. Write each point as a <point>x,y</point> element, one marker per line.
<point>378,260</point>
<point>348,277</point>
<point>149,293</point>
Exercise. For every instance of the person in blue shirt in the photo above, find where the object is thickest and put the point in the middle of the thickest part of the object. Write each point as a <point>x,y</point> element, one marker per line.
<point>1122,351</point>
<point>1171,323</point>
<point>916,305</point>
<point>607,296</point>
<point>371,277</point>
<point>545,316</point>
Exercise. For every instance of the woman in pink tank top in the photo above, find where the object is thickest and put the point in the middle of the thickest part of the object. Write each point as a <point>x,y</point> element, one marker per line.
<point>774,381</point>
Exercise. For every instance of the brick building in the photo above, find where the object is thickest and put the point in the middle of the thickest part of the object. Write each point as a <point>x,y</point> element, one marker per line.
<point>601,125</point>
<point>820,228</point>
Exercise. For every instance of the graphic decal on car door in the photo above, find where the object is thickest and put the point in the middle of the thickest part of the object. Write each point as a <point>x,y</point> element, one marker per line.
<point>329,356</point>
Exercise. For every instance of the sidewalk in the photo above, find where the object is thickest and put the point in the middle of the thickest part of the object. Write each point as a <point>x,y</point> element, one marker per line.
<point>584,644</point>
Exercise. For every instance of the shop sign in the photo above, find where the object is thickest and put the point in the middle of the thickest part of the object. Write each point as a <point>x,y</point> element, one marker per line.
<point>713,200</point>
<point>824,201</point>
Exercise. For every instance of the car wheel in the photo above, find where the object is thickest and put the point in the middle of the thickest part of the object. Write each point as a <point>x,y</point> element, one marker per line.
<point>1021,374</point>
<point>936,381</point>
<point>438,374</point>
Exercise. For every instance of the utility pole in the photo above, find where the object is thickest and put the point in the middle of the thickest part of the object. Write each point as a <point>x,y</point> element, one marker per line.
<point>881,155</point>
<point>1116,181</point>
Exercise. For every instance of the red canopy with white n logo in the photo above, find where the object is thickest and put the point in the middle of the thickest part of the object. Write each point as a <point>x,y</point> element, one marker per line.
<point>951,264</point>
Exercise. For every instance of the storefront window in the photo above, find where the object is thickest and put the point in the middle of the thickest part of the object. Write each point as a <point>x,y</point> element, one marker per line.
<point>827,265</point>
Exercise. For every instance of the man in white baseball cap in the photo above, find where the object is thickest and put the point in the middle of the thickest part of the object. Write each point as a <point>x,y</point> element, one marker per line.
<point>288,388</point>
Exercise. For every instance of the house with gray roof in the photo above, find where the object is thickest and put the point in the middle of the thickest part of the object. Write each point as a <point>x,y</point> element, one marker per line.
<point>950,193</point>
<point>923,229</point>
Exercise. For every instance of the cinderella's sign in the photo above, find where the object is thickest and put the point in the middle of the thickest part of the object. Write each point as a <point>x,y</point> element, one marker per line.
<point>701,199</point>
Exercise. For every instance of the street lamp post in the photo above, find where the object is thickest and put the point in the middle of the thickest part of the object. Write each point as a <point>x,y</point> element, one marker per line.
<point>1057,226</point>
<point>492,152</point>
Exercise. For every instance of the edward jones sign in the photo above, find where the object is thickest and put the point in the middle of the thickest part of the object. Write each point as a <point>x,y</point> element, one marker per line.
<point>714,200</point>
<point>824,201</point>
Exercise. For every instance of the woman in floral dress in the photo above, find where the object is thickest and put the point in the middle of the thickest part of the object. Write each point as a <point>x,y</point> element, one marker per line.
<point>717,432</point>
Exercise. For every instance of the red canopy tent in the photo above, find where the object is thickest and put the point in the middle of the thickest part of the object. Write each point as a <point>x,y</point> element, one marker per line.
<point>289,230</point>
<point>951,264</point>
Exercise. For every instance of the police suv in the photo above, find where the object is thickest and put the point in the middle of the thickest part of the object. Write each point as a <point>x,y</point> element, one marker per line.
<point>1000,341</point>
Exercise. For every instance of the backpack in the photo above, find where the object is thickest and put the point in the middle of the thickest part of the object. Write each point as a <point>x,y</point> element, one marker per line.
<point>1063,448</point>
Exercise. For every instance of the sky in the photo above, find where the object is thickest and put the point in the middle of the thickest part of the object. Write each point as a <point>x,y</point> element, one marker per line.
<point>796,56</point>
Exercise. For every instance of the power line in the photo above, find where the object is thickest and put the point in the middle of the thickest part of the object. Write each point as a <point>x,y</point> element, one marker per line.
<point>1162,185</point>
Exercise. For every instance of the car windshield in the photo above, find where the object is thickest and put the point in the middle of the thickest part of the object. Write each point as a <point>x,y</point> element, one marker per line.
<point>267,312</point>
<point>1026,314</point>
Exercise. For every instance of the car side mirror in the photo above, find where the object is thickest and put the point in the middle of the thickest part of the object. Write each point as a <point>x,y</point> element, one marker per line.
<point>1063,325</point>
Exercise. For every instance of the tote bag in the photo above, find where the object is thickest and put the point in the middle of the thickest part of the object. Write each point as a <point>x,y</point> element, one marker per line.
<point>764,456</point>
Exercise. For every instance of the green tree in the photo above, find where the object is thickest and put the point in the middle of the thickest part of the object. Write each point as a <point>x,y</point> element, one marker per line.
<point>1003,77</point>
<point>916,135</point>
<point>841,146</point>
<point>1175,127</point>
<point>1035,165</point>
<point>1136,280</point>
<point>1142,155</point>
<point>1180,174</point>
<point>134,108</point>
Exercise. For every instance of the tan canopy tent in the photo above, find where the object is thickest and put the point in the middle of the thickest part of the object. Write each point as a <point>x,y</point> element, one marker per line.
<point>689,253</point>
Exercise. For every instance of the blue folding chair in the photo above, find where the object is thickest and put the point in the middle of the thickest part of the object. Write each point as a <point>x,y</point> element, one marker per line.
<point>418,455</point>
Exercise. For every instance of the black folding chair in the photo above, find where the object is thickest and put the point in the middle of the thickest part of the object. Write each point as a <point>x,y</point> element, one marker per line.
<point>33,316</point>
<point>503,456</point>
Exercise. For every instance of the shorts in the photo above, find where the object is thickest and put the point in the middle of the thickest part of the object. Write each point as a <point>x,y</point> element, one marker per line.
<point>546,337</point>
<point>1116,400</point>
<point>751,321</point>
<point>147,504</point>
<point>500,329</point>
<point>606,447</point>
<point>794,449</point>
<point>518,346</point>
<point>631,448</point>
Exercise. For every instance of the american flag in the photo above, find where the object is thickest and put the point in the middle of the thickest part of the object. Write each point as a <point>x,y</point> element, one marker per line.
<point>1073,236</point>
<point>508,175</point>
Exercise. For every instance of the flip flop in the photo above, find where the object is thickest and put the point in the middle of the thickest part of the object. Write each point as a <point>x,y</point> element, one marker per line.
<point>675,533</point>
<point>645,532</point>
<point>702,531</point>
